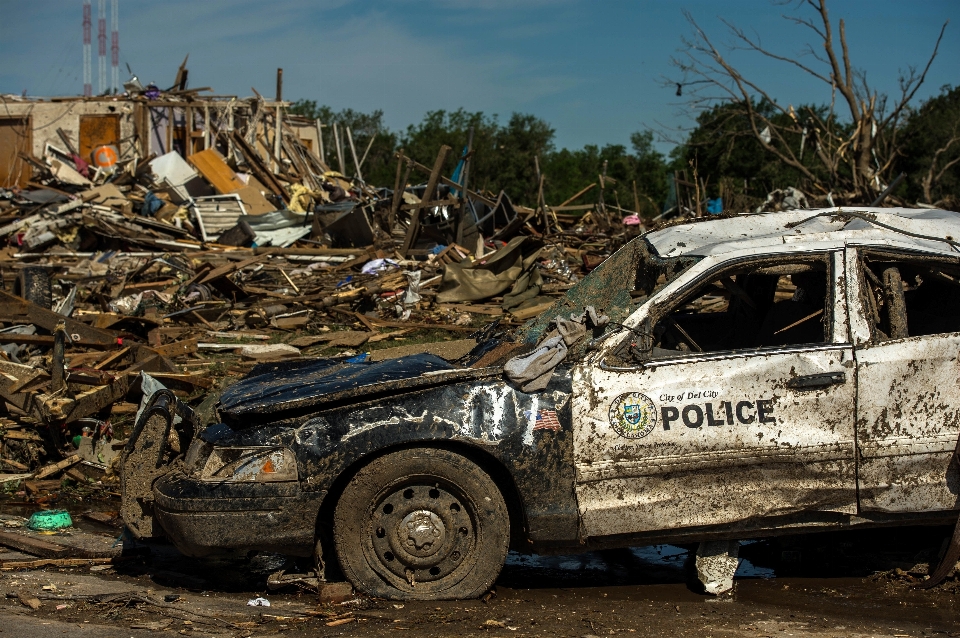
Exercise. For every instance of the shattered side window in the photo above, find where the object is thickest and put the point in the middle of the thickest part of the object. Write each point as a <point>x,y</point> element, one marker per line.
<point>615,287</point>
<point>754,305</point>
<point>910,296</point>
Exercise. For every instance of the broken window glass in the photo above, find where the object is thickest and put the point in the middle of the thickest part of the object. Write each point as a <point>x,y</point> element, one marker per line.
<point>624,280</point>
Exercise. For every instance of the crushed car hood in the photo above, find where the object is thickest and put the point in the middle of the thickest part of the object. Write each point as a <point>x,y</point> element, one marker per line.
<point>275,392</point>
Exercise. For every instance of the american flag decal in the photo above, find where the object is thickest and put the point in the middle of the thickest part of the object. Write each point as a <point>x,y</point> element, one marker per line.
<point>546,420</point>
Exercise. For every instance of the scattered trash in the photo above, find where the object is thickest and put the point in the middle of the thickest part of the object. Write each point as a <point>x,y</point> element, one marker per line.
<point>258,602</point>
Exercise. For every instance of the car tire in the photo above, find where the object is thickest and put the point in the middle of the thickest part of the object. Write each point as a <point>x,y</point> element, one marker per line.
<point>33,284</point>
<point>421,524</point>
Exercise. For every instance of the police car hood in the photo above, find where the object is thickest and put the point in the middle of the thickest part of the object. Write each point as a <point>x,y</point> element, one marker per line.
<point>274,392</point>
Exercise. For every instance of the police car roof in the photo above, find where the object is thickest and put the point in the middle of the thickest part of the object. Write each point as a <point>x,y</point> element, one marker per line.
<point>920,228</point>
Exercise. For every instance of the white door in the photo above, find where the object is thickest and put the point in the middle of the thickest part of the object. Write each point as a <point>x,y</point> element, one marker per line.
<point>743,410</point>
<point>908,371</point>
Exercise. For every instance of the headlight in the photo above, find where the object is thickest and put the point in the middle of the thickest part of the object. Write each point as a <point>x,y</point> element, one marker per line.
<point>250,465</point>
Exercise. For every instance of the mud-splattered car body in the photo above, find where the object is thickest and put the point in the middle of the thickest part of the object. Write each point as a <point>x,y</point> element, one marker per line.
<point>760,376</point>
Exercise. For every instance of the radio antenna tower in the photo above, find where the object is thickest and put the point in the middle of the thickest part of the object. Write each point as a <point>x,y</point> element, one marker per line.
<point>114,48</point>
<point>102,41</point>
<point>87,24</point>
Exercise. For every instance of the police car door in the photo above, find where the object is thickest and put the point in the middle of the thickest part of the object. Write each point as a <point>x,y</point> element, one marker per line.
<point>739,405</point>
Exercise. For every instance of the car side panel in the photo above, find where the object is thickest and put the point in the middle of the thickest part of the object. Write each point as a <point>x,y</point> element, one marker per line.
<point>908,413</point>
<point>530,435</point>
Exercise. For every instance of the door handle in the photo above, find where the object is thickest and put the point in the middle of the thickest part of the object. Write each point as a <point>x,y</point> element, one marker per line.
<point>817,380</point>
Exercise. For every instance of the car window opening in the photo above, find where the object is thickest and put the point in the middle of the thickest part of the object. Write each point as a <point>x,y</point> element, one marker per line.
<point>910,298</point>
<point>754,306</point>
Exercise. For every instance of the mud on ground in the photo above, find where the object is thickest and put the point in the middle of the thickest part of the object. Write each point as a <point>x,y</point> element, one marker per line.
<point>837,584</point>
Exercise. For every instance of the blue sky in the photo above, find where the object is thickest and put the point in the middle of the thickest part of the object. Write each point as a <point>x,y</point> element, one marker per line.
<point>592,69</point>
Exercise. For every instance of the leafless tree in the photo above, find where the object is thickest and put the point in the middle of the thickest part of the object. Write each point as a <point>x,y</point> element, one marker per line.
<point>856,146</point>
<point>936,171</point>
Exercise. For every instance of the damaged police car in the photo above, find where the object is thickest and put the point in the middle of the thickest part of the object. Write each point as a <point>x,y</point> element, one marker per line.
<point>752,376</point>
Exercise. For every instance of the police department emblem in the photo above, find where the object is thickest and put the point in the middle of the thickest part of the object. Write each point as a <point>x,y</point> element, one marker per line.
<point>633,415</point>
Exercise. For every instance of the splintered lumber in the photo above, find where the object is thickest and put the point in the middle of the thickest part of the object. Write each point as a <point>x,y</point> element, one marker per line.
<point>183,381</point>
<point>527,313</point>
<point>27,380</point>
<point>35,546</point>
<point>226,269</point>
<point>16,310</point>
<point>177,348</point>
<point>445,180</point>
<point>22,436</point>
<point>46,340</point>
<point>53,468</point>
<point>414,229</point>
<point>112,358</point>
<point>55,562</point>
<point>260,171</point>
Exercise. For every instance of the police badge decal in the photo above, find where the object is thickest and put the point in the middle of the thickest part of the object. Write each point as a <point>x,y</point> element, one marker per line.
<point>633,415</point>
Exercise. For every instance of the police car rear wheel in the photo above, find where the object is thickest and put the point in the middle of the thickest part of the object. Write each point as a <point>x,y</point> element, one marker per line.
<point>421,524</point>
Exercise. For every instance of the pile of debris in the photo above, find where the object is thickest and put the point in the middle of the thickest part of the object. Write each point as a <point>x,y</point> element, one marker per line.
<point>190,238</point>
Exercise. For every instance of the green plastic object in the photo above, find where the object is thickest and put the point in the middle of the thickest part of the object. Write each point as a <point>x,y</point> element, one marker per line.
<point>50,520</point>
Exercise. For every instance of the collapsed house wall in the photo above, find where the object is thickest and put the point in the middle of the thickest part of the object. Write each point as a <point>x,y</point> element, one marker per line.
<point>137,128</point>
<point>30,126</point>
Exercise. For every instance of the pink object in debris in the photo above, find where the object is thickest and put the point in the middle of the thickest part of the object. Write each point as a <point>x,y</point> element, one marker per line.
<point>631,220</point>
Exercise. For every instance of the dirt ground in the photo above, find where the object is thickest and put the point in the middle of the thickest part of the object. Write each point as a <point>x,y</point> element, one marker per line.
<point>837,584</point>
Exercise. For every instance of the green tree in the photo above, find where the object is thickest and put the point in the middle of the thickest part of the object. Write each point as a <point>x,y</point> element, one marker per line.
<point>378,168</point>
<point>723,146</point>
<point>504,155</point>
<point>567,172</point>
<point>931,149</point>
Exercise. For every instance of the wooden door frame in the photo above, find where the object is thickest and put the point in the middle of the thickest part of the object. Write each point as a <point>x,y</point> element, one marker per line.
<point>27,123</point>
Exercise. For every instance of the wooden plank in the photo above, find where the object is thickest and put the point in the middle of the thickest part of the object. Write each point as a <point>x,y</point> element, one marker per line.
<point>527,313</point>
<point>53,468</point>
<point>54,562</point>
<point>178,348</point>
<point>578,194</point>
<point>36,487</point>
<point>187,381</point>
<point>27,380</point>
<point>114,357</point>
<point>20,435</point>
<point>97,398</point>
<point>16,310</point>
<point>414,229</point>
<point>35,546</point>
<point>452,184</point>
<point>473,308</point>
<point>210,165</point>
<point>577,207</point>
<point>226,269</point>
<point>253,201</point>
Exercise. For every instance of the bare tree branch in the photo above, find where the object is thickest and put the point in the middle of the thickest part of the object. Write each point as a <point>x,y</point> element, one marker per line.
<point>864,142</point>
<point>907,97</point>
